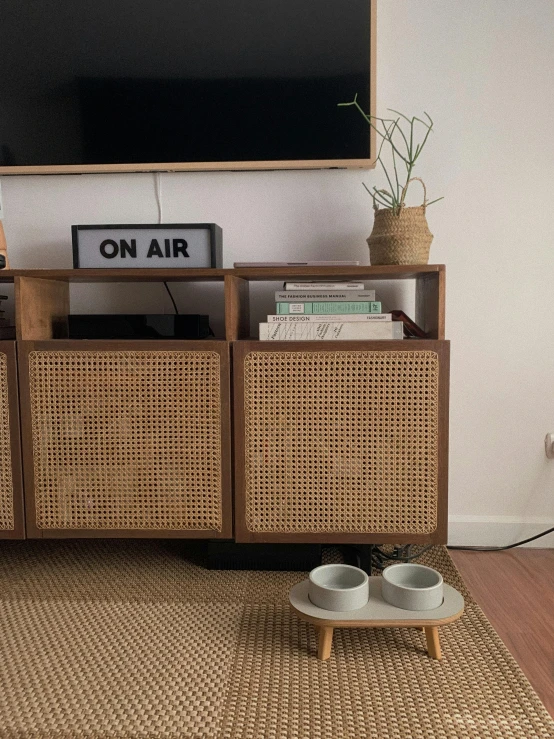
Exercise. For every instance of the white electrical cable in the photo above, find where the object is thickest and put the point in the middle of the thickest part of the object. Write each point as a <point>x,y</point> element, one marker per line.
<point>158,183</point>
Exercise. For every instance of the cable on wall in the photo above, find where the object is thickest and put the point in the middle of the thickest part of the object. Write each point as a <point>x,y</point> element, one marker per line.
<point>159,201</point>
<point>172,299</point>
<point>510,546</point>
<point>158,186</point>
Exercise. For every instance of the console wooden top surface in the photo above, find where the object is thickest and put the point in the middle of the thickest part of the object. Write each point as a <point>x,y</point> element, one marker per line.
<point>381,272</point>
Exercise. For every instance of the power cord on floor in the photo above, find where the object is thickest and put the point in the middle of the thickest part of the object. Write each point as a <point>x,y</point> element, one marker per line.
<point>379,558</point>
<point>402,554</point>
<point>510,546</point>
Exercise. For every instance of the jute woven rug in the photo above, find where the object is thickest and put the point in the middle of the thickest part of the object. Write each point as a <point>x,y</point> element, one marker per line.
<point>131,639</point>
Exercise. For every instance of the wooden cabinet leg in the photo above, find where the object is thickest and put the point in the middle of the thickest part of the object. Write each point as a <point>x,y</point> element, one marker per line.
<point>325,641</point>
<point>433,643</point>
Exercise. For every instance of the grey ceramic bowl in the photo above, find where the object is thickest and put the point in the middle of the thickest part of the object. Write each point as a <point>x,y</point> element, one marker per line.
<point>338,587</point>
<point>412,587</point>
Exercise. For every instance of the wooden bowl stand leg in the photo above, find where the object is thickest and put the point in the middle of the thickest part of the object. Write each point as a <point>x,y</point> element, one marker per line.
<point>325,641</point>
<point>433,643</point>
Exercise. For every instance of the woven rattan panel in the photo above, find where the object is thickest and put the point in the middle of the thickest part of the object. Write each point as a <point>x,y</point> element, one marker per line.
<point>342,441</point>
<point>7,522</point>
<point>126,439</point>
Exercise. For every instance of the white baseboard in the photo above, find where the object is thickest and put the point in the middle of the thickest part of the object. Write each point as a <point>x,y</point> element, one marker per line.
<point>498,531</point>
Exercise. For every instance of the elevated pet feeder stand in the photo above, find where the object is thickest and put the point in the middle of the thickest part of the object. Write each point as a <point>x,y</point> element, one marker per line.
<point>376,614</point>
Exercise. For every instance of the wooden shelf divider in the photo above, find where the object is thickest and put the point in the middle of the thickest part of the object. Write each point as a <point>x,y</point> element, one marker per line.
<point>41,308</point>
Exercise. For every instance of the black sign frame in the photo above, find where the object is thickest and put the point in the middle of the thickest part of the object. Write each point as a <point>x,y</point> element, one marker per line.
<point>216,239</point>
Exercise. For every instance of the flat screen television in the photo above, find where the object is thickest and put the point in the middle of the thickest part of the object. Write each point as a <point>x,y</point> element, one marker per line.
<point>162,85</point>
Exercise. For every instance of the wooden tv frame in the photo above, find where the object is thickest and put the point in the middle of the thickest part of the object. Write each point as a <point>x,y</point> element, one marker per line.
<point>226,166</point>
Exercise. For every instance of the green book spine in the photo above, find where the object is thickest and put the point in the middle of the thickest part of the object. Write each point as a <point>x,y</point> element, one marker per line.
<point>330,307</point>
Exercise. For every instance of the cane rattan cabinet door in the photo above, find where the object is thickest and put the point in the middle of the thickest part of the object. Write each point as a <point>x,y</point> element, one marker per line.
<point>126,438</point>
<point>11,502</point>
<point>341,441</point>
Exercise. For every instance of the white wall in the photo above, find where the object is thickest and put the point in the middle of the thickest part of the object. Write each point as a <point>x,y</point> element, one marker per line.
<point>483,71</point>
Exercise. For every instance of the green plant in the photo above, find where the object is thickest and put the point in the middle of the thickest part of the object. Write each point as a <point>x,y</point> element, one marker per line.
<point>400,135</point>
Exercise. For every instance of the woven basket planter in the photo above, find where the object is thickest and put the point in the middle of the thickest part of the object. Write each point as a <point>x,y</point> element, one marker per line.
<point>400,238</point>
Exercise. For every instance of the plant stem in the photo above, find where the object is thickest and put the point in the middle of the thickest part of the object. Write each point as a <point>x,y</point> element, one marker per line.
<point>369,119</point>
<point>395,199</point>
<point>405,188</point>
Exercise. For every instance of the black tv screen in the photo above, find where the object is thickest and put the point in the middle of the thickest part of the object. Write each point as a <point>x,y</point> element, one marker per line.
<point>176,84</point>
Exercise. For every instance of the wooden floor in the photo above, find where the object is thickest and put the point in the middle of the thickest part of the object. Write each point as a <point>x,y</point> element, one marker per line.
<point>515,589</point>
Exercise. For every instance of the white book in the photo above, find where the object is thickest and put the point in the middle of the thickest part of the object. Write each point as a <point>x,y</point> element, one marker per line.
<point>310,296</point>
<point>339,318</point>
<point>331,331</point>
<point>331,263</point>
<point>324,286</point>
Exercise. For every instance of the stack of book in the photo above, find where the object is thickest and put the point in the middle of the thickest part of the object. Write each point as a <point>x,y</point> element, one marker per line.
<point>312,311</point>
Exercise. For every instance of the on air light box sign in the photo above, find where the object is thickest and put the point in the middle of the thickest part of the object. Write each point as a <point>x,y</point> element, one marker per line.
<point>174,245</point>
